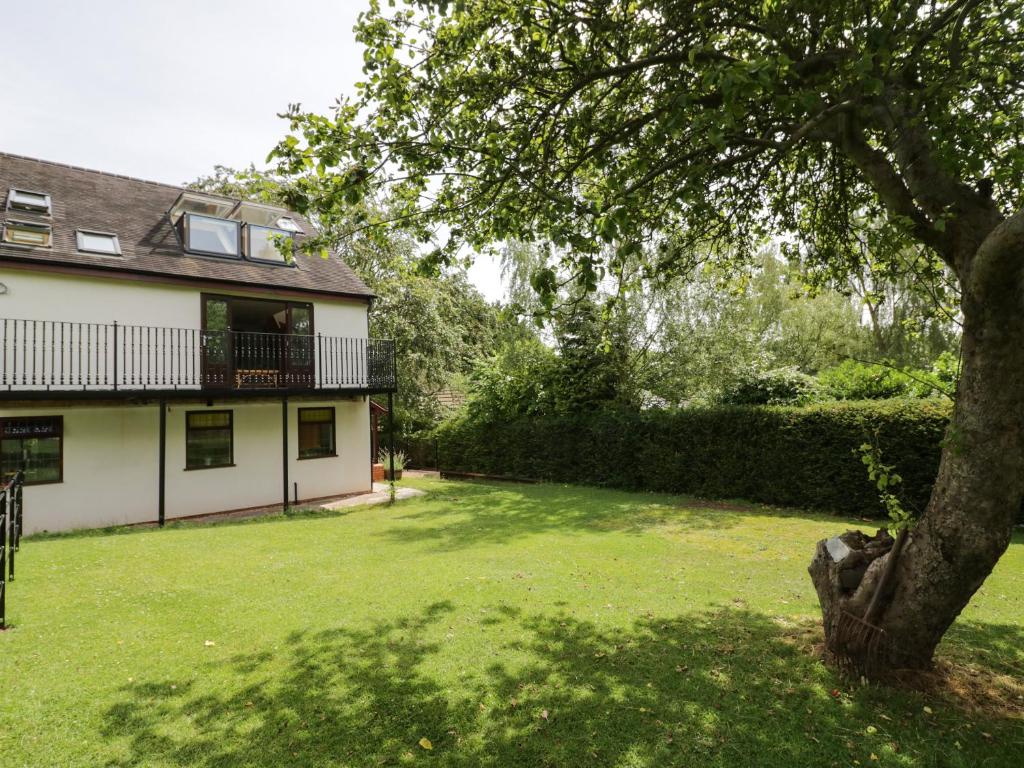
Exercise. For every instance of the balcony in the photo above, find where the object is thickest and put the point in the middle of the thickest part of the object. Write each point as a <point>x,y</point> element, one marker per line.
<point>50,358</point>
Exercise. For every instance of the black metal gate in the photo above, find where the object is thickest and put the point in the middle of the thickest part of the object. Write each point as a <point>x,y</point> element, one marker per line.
<point>10,535</point>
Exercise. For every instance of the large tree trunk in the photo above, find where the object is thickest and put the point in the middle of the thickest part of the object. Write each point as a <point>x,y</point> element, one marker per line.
<point>969,519</point>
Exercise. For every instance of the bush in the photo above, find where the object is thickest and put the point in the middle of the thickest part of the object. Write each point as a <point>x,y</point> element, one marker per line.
<point>781,386</point>
<point>852,380</point>
<point>778,455</point>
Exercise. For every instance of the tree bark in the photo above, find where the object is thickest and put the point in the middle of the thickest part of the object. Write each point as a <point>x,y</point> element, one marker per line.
<point>977,495</point>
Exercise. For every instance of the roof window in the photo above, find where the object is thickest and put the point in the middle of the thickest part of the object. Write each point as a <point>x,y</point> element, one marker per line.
<point>98,242</point>
<point>210,236</point>
<point>24,200</point>
<point>194,202</point>
<point>288,224</point>
<point>266,244</point>
<point>27,233</point>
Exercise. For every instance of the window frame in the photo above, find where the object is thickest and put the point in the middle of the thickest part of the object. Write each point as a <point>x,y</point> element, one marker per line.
<point>59,420</point>
<point>186,236</point>
<point>231,438</point>
<point>291,226</point>
<point>248,246</point>
<point>97,233</point>
<point>37,225</point>
<point>12,206</point>
<point>334,432</point>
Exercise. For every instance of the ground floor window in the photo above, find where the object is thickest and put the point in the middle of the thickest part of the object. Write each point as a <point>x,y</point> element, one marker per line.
<point>209,439</point>
<point>316,433</point>
<point>34,444</point>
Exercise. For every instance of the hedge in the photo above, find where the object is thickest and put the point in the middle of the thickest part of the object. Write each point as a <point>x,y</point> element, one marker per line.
<point>777,455</point>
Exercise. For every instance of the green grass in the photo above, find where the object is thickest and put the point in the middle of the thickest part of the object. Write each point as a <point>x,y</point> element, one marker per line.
<point>510,625</point>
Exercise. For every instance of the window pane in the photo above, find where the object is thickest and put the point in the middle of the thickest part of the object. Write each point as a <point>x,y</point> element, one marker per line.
<point>218,419</point>
<point>262,245</point>
<point>29,201</point>
<point>38,456</point>
<point>208,448</point>
<point>316,439</point>
<point>316,414</point>
<point>212,235</point>
<point>301,321</point>
<point>26,235</point>
<point>97,243</point>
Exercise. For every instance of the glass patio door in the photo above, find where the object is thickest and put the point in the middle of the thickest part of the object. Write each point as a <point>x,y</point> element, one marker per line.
<point>300,363</point>
<point>215,343</point>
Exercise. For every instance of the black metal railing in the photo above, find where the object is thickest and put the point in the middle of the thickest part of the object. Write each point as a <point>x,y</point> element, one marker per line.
<point>53,355</point>
<point>10,536</point>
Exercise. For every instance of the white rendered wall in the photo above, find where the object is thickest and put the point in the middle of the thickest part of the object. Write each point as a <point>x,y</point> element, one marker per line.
<point>49,296</point>
<point>111,463</point>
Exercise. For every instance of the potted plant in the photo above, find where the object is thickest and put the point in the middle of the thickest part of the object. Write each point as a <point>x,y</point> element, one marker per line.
<point>385,459</point>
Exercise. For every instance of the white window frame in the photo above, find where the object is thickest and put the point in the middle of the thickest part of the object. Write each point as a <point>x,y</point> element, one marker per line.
<point>12,206</point>
<point>96,233</point>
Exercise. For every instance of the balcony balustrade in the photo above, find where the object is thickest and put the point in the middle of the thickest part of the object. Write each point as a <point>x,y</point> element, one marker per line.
<point>52,356</point>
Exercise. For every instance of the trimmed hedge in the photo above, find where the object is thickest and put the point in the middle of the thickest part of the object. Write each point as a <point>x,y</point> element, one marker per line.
<point>777,455</point>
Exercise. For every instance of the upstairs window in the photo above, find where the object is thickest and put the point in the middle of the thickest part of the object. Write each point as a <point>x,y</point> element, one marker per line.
<point>210,236</point>
<point>98,242</point>
<point>262,244</point>
<point>24,200</point>
<point>28,233</point>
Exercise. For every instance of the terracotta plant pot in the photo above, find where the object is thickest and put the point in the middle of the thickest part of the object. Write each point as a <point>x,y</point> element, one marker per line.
<point>378,473</point>
<point>387,474</point>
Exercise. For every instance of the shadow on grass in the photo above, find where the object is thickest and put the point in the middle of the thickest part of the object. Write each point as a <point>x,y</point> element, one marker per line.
<point>727,688</point>
<point>467,513</point>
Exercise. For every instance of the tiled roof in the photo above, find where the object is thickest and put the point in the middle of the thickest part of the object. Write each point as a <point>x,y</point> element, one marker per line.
<point>136,211</point>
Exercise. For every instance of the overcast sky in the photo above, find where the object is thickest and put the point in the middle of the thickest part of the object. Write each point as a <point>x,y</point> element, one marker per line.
<point>167,90</point>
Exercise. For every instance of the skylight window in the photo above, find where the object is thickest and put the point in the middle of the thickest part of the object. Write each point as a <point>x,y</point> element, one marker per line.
<point>27,233</point>
<point>288,224</point>
<point>24,200</point>
<point>262,244</point>
<point>98,242</point>
<point>210,236</point>
<point>195,202</point>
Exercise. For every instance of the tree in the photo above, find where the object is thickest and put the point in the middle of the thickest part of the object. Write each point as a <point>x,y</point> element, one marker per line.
<point>442,326</point>
<point>588,122</point>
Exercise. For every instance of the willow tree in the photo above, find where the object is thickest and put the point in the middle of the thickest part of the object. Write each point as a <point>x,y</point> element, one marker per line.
<point>722,122</point>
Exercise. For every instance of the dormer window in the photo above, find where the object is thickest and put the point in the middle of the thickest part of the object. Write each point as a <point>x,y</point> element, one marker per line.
<point>262,244</point>
<point>28,233</point>
<point>24,200</point>
<point>210,236</point>
<point>98,242</point>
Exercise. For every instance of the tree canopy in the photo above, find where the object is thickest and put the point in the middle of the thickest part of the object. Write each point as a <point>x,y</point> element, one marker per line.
<point>692,124</point>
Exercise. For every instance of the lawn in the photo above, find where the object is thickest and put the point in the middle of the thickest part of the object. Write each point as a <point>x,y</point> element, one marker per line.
<point>493,625</point>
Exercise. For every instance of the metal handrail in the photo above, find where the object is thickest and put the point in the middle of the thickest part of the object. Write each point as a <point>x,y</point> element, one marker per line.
<point>47,355</point>
<point>11,524</point>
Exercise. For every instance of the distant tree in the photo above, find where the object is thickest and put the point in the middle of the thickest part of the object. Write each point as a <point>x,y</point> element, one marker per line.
<point>586,123</point>
<point>442,326</point>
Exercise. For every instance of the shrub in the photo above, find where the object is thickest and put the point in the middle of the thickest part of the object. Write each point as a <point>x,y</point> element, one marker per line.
<point>779,455</point>
<point>852,380</point>
<point>781,386</point>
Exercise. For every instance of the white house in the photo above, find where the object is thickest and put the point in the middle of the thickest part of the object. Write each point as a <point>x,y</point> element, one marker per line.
<point>162,359</point>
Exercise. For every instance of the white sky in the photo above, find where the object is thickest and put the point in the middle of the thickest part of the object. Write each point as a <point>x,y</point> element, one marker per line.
<point>165,91</point>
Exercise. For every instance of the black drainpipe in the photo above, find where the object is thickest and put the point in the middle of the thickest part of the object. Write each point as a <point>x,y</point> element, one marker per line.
<point>163,460</point>
<point>284,450</point>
